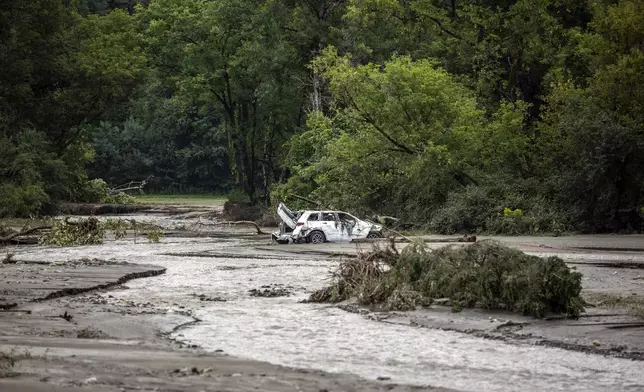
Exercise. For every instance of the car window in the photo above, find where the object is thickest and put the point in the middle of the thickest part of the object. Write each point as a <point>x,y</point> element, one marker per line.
<point>315,216</point>
<point>328,216</point>
<point>346,217</point>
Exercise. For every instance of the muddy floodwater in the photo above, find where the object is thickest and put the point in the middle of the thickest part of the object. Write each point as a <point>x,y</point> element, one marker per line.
<point>282,330</point>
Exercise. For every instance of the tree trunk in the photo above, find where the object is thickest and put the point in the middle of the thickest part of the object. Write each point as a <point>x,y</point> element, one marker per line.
<point>316,96</point>
<point>244,133</point>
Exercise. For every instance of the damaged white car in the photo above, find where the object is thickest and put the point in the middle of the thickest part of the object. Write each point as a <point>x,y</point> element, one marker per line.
<point>321,226</point>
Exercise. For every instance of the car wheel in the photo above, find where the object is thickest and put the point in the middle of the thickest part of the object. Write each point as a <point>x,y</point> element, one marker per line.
<point>374,235</point>
<point>317,237</point>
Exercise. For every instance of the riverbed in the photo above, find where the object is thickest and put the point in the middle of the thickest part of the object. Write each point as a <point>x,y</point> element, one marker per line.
<point>283,330</point>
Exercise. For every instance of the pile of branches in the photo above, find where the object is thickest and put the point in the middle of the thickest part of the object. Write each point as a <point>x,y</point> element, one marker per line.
<point>66,233</point>
<point>89,231</point>
<point>485,274</point>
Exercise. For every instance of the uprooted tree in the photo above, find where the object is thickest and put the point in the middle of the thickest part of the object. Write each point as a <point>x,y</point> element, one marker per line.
<point>485,274</point>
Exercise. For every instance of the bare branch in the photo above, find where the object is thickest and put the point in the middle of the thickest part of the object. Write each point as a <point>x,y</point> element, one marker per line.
<point>446,30</point>
<point>249,223</point>
<point>373,123</point>
<point>12,237</point>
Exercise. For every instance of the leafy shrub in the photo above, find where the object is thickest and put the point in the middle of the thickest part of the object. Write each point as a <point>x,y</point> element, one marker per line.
<point>18,200</point>
<point>500,209</point>
<point>155,235</point>
<point>119,198</point>
<point>485,274</point>
<point>464,212</point>
<point>97,191</point>
<point>510,222</point>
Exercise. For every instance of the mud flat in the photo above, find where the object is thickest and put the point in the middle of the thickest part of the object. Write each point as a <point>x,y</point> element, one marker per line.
<point>248,296</point>
<point>93,209</point>
<point>62,330</point>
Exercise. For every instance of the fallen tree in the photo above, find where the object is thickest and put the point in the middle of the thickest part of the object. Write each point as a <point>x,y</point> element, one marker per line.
<point>249,223</point>
<point>484,274</point>
<point>69,233</point>
<point>14,238</point>
<point>88,231</point>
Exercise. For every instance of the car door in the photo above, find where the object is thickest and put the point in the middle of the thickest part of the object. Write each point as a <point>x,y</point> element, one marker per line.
<point>354,227</point>
<point>313,221</point>
<point>348,225</point>
<point>330,226</point>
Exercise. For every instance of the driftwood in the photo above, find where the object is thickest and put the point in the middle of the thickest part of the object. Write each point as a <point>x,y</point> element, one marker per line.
<point>460,239</point>
<point>249,223</point>
<point>12,237</point>
<point>129,186</point>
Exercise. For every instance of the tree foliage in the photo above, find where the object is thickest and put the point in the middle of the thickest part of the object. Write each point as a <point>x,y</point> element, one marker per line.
<point>445,113</point>
<point>539,116</point>
<point>485,274</point>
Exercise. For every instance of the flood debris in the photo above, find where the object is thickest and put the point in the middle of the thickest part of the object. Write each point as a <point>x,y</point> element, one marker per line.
<point>16,238</point>
<point>485,274</point>
<point>129,186</point>
<point>83,231</point>
<point>269,291</point>
<point>193,371</point>
<point>204,297</point>
<point>9,360</point>
<point>231,223</point>
<point>319,226</point>
<point>67,317</point>
<point>91,333</point>
<point>83,262</point>
<point>68,233</point>
<point>9,259</point>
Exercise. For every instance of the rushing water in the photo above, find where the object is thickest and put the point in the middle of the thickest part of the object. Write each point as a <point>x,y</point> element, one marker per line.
<point>283,331</point>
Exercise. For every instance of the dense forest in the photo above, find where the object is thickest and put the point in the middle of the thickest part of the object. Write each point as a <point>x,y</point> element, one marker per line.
<point>505,116</point>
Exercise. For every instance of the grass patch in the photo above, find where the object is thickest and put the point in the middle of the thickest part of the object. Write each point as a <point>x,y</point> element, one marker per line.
<point>633,303</point>
<point>485,274</point>
<point>181,199</point>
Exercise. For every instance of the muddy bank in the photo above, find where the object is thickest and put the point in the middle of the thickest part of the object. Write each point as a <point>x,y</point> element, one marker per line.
<point>93,209</point>
<point>54,338</point>
<point>24,282</point>
<point>233,285</point>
